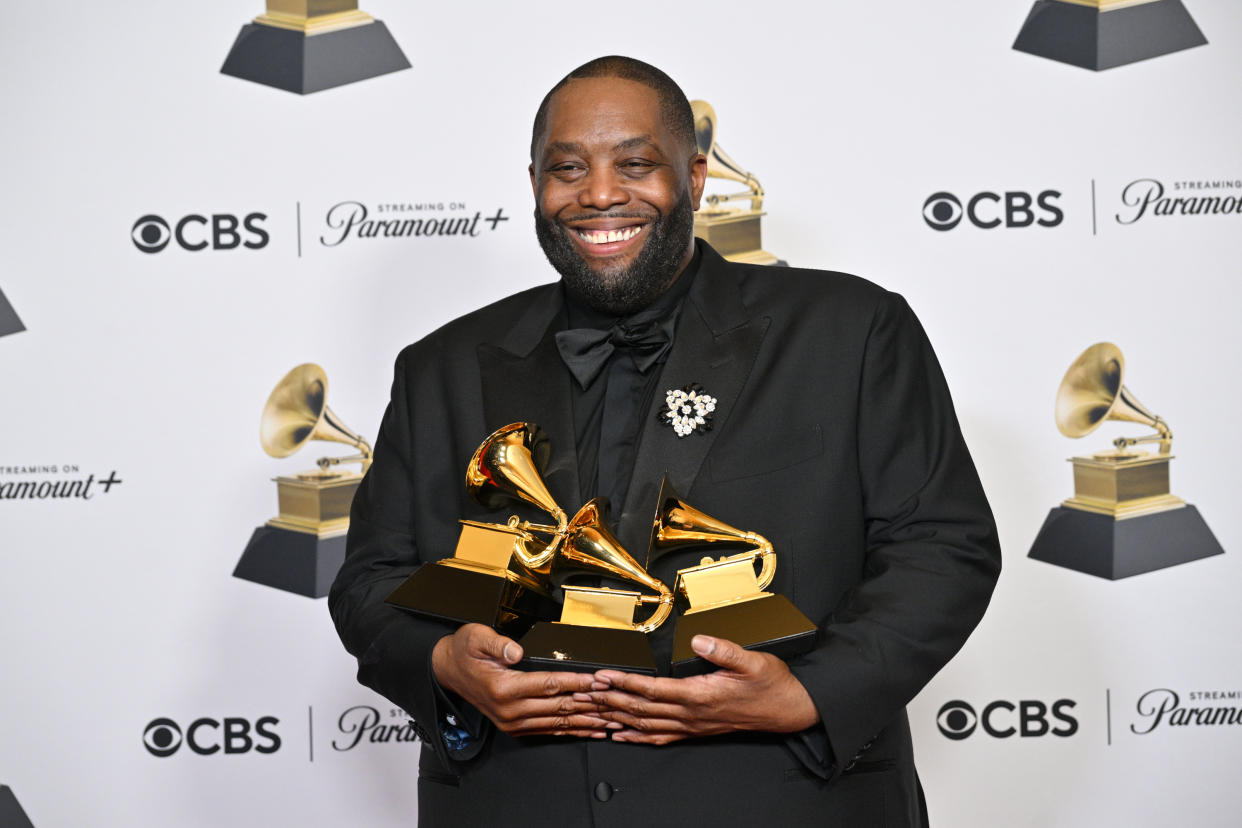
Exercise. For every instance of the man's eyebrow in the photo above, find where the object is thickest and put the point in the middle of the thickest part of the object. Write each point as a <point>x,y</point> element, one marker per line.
<point>574,148</point>
<point>571,147</point>
<point>636,141</point>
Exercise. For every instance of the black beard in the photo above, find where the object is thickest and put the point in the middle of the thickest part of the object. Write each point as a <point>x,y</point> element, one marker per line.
<point>621,291</point>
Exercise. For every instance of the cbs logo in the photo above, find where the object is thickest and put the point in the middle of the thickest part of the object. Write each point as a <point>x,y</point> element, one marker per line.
<point>223,231</point>
<point>957,719</point>
<point>164,737</point>
<point>986,210</point>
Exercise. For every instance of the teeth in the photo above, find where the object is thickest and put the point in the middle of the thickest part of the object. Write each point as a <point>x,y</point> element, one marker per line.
<point>606,236</point>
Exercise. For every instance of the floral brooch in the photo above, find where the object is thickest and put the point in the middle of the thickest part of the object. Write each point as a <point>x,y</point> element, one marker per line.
<point>688,409</point>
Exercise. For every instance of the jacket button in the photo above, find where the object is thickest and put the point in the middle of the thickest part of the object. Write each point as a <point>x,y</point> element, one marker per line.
<point>603,792</point>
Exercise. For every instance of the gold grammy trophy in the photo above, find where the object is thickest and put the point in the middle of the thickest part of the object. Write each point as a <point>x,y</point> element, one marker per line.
<point>304,46</point>
<point>1122,519</point>
<point>733,231</point>
<point>301,549</point>
<point>498,574</point>
<point>597,629</point>
<point>724,597</point>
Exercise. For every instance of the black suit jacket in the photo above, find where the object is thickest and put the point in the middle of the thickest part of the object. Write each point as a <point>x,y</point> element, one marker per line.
<point>834,437</point>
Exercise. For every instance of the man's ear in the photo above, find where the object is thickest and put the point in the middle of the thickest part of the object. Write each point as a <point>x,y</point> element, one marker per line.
<point>698,177</point>
<point>533,186</point>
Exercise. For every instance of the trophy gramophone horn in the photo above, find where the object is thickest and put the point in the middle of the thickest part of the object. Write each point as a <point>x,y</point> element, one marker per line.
<point>719,164</point>
<point>508,466</point>
<point>678,525</point>
<point>591,549</point>
<point>1092,392</point>
<point>297,412</point>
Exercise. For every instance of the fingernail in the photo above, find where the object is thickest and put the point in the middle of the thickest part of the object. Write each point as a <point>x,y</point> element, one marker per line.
<point>582,697</point>
<point>510,653</point>
<point>614,725</point>
<point>600,735</point>
<point>598,685</point>
<point>703,645</point>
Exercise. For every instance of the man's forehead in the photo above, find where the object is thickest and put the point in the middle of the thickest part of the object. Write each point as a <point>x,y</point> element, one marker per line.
<point>604,107</point>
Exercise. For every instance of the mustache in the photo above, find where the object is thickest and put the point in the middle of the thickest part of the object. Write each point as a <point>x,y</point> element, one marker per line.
<point>608,215</point>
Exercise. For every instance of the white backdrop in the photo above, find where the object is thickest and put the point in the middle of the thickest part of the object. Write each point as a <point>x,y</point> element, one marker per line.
<point>120,609</point>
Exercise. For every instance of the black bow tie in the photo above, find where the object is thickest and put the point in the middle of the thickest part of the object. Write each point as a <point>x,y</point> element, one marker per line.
<point>586,350</point>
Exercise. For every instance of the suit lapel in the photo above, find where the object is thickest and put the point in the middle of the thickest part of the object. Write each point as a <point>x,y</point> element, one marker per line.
<point>715,346</point>
<point>524,379</point>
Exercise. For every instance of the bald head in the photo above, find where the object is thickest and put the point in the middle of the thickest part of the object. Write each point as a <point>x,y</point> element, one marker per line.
<point>674,108</point>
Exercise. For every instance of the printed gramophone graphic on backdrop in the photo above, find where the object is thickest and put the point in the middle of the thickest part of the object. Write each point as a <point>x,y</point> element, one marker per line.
<point>10,323</point>
<point>305,46</point>
<point>302,548</point>
<point>512,575</point>
<point>734,232</point>
<point>1122,519</point>
<point>1102,34</point>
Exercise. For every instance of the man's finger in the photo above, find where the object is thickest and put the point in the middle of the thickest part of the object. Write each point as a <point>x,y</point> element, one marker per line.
<point>487,643</point>
<point>650,724</point>
<point>562,724</point>
<point>636,737</point>
<point>656,689</point>
<point>521,709</point>
<point>570,734</point>
<point>724,653</point>
<point>545,684</point>
<point>611,701</point>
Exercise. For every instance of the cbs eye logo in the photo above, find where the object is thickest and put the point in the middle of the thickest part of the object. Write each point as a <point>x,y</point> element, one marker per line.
<point>205,736</point>
<point>943,211</point>
<point>222,231</point>
<point>957,719</point>
<point>162,737</point>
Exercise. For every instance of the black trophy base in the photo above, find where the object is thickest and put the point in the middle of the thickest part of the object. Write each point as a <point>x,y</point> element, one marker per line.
<point>1093,39</point>
<point>1108,548</point>
<point>464,596</point>
<point>771,624</point>
<point>302,63</point>
<point>574,649</point>
<point>9,321</point>
<point>293,561</point>
<point>11,813</point>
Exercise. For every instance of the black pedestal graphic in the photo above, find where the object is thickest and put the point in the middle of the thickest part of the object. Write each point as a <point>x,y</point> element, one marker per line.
<point>292,561</point>
<point>1093,39</point>
<point>9,322</point>
<point>576,649</point>
<point>11,813</point>
<point>464,596</point>
<point>1113,549</point>
<point>302,63</point>
<point>770,624</point>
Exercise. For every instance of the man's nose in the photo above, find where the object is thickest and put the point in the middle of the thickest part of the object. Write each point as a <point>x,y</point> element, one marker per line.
<point>602,189</point>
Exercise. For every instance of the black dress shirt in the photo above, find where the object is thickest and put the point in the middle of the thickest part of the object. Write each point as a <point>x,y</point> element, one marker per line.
<point>609,411</point>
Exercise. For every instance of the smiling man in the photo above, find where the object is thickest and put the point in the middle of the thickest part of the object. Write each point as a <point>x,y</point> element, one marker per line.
<point>834,436</point>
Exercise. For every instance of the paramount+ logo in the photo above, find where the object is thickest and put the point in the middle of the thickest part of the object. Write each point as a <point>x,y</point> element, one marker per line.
<point>1002,719</point>
<point>987,210</point>
<point>194,232</point>
<point>207,736</point>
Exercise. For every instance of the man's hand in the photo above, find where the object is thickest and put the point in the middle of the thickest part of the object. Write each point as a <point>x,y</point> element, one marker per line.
<point>475,663</point>
<point>750,691</point>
